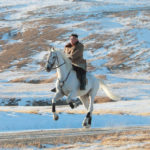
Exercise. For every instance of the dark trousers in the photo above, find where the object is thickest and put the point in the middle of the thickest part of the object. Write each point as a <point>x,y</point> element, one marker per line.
<point>81,75</point>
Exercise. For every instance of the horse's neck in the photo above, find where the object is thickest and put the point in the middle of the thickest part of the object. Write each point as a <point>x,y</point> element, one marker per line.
<point>63,70</point>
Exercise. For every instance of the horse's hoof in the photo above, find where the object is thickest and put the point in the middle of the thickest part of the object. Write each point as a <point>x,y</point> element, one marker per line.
<point>71,105</point>
<point>56,118</point>
<point>87,126</point>
<point>84,124</point>
<point>76,105</point>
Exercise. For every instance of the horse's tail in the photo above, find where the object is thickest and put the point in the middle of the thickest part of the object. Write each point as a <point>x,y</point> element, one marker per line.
<point>108,92</point>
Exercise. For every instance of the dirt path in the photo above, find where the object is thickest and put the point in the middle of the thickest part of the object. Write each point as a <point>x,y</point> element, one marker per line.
<point>125,137</point>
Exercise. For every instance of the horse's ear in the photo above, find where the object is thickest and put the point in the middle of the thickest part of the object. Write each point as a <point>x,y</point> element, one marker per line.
<point>53,49</point>
<point>49,49</point>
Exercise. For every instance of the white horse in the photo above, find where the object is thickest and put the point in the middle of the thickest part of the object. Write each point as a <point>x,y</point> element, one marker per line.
<point>68,84</point>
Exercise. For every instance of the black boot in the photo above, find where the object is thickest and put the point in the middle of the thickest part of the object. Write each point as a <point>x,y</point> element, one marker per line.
<point>82,87</point>
<point>83,80</point>
<point>81,75</point>
<point>53,90</point>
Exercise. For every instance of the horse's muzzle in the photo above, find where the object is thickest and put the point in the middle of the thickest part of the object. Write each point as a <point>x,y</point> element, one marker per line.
<point>48,69</point>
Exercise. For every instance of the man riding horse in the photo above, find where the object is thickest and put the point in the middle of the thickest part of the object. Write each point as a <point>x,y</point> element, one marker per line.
<point>58,60</point>
<point>74,51</point>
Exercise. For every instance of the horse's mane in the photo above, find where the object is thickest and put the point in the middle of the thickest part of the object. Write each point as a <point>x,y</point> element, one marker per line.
<point>66,59</point>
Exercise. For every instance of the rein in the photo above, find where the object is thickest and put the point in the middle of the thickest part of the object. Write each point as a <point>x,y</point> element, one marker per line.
<point>58,63</point>
<point>61,83</point>
<point>59,66</point>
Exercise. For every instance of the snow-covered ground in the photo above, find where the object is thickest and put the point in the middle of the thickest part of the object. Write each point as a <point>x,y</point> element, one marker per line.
<point>116,38</point>
<point>19,121</point>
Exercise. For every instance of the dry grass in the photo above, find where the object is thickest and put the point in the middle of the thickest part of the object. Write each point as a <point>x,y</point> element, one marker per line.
<point>33,111</point>
<point>90,67</point>
<point>131,139</point>
<point>102,99</point>
<point>35,81</point>
<point>44,29</point>
<point>135,139</point>
<point>33,39</point>
<point>125,14</point>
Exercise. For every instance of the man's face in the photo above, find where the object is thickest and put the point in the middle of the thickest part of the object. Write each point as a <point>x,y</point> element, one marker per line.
<point>73,40</point>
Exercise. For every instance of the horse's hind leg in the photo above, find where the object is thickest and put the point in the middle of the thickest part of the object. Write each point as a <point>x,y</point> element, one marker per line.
<point>87,120</point>
<point>74,103</point>
<point>88,101</point>
<point>69,100</point>
<point>85,101</point>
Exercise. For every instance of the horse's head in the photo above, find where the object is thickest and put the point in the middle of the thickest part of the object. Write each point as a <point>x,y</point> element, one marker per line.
<point>51,60</point>
<point>56,59</point>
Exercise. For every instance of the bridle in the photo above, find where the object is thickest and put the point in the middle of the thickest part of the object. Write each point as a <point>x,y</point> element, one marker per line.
<point>61,83</point>
<point>56,58</point>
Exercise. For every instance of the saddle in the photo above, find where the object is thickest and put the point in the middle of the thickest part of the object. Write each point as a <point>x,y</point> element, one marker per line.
<point>81,76</point>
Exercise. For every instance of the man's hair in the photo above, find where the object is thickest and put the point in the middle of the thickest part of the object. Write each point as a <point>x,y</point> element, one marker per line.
<point>75,35</point>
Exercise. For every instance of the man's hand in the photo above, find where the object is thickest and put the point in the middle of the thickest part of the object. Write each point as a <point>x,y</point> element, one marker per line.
<point>68,55</point>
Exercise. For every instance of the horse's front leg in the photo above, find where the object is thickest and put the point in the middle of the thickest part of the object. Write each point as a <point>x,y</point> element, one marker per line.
<point>56,97</point>
<point>69,100</point>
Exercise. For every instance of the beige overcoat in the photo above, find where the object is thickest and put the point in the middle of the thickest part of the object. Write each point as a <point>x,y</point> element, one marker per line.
<point>75,53</point>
